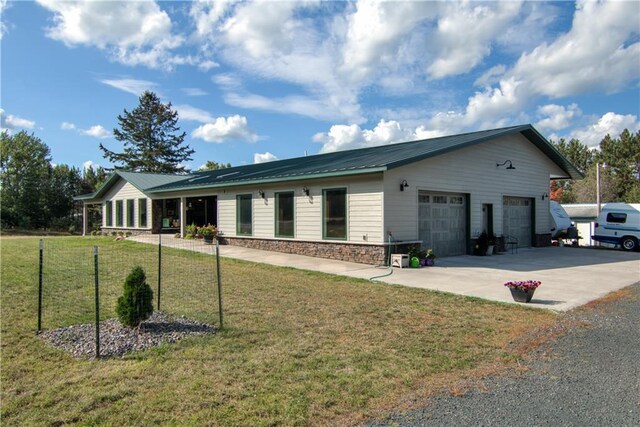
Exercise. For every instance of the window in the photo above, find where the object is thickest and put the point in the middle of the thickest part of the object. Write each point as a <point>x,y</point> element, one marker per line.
<point>616,217</point>
<point>142,213</point>
<point>118,213</point>
<point>335,213</point>
<point>455,200</point>
<point>284,214</point>
<point>130,213</point>
<point>423,198</point>
<point>108,213</point>
<point>440,199</point>
<point>243,214</point>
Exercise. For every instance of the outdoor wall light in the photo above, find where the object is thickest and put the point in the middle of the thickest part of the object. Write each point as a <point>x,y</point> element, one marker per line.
<point>545,196</point>
<point>510,167</point>
<point>403,184</point>
<point>305,190</point>
<point>261,193</point>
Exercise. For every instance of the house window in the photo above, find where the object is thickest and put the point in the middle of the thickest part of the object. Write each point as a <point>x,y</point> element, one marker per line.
<point>118,213</point>
<point>243,214</point>
<point>284,214</point>
<point>130,213</point>
<point>440,199</point>
<point>335,213</point>
<point>142,213</point>
<point>108,213</point>
<point>619,218</point>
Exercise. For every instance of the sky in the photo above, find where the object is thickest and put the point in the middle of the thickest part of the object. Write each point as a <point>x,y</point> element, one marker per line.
<point>259,81</point>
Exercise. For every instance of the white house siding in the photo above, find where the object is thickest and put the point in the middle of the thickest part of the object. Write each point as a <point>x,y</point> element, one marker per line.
<point>473,171</point>
<point>124,191</point>
<point>364,211</point>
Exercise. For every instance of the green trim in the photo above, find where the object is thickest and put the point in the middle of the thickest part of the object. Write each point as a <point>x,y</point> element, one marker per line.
<point>108,208</point>
<point>270,180</point>
<point>346,213</point>
<point>277,205</point>
<point>119,213</point>
<point>131,217</point>
<point>142,207</point>
<point>238,205</point>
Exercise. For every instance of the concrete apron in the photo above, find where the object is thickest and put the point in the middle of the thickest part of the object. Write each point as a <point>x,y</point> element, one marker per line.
<point>570,276</point>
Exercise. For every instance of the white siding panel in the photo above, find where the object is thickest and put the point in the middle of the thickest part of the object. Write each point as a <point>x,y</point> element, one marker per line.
<point>227,213</point>
<point>471,170</point>
<point>124,191</point>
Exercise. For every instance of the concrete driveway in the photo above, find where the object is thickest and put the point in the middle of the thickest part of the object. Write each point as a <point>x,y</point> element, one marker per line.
<point>570,276</point>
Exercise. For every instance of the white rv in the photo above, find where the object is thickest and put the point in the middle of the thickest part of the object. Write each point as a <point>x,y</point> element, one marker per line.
<point>619,223</point>
<point>561,225</point>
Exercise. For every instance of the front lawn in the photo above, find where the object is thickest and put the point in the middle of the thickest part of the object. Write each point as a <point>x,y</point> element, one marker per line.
<point>298,348</point>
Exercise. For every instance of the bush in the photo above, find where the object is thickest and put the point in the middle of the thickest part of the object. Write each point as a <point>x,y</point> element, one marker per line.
<point>136,303</point>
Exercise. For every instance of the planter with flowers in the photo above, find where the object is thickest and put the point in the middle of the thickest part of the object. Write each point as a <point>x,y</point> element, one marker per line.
<point>208,232</point>
<point>429,257</point>
<point>522,290</point>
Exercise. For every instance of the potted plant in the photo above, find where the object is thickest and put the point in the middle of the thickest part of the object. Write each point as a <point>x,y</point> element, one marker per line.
<point>191,231</point>
<point>482,244</point>
<point>430,257</point>
<point>208,232</point>
<point>522,290</point>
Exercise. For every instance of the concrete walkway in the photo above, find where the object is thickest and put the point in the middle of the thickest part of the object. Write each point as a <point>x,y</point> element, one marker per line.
<point>570,276</point>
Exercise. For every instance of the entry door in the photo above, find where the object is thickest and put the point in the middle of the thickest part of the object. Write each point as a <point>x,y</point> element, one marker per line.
<point>442,222</point>
<point>517,219</point>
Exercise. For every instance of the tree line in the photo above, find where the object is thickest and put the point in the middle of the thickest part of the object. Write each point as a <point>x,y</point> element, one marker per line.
<point>619,163</point>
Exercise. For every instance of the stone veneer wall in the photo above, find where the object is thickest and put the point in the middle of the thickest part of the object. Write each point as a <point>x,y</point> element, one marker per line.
<point>133,231</point>
<point>363,254</point>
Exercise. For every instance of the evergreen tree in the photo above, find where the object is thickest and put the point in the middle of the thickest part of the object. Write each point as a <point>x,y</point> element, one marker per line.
<point>136,303</point>
<point>212,166</point>
<point>151,141</point>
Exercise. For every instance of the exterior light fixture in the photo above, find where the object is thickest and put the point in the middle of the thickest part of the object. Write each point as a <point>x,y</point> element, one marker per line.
<point>403,184</point>
<point>510,167</point>
<point>305,190</point>
<point>545,196</point>
<point>262,194</point>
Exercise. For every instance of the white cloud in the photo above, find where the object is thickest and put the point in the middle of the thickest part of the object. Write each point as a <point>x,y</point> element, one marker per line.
<point>9,122</point>
<point>95,131</point>
<point>263,157</point>
<point>609,124</point>
<point>187,112</point>
<point>134,86</point>
<point>556,117</point>
<point>194,91</point>
<point>89,164</point>
<point>206,65</point>
<point>4,5</point>
<point>133,33</point>
<point>346,137</point>
<point>223,129</point>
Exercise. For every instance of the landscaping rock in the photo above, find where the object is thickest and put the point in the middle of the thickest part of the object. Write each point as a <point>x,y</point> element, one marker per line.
<point>117,340</point>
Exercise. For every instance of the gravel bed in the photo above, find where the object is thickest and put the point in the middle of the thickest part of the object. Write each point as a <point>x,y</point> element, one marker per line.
<point>117,340</point>
<point>590,376</point>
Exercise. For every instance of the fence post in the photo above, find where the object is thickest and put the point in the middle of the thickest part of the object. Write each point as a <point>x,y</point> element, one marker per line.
<point>219,281</point>
<point>40,287</point>
<point>95,264</point>
<point>159,265</point>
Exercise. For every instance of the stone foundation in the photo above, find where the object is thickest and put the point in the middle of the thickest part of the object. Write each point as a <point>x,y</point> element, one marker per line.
<point>133,231</point>
<point>363,254</point>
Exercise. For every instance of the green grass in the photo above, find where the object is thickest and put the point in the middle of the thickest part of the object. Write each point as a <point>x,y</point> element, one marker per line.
<point>299,348</point>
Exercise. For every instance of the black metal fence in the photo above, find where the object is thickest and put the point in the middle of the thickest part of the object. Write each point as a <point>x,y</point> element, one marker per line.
<point>80,281</point>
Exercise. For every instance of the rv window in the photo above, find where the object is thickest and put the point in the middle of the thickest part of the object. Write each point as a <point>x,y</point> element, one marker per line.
<point>617,217</point>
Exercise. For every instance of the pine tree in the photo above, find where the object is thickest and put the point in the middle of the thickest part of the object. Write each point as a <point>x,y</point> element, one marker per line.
<point>151,141</point>
<point>136,303</point>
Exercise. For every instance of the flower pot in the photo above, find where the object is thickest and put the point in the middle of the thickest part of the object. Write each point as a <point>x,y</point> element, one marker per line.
<point>208,240</point>
<point>423,262</point>
<point>520,295</point>
<point>430,262</point>
<point>490,250</point>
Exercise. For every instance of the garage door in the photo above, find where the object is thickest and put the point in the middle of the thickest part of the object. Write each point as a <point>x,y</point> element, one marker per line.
<point>517,219</point>
<point>442,222</point>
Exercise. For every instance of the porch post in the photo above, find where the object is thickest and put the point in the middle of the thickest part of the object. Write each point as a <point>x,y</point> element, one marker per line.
<point>85,219</point>
<point>183,214</point>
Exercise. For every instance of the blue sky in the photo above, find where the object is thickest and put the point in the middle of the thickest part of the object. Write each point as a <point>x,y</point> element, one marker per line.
<point>257,81</point>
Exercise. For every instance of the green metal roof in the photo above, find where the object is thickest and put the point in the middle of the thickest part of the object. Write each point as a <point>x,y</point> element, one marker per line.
<point>142,181</point>
<point>358,161</point>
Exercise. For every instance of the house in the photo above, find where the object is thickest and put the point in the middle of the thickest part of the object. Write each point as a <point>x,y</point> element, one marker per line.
<point>355,205</point>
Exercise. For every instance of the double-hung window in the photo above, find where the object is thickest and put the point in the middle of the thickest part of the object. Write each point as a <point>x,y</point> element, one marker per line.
<point>244,214</point>
<point>119,216</point>
<point>284,214</point>
<point>334,213</point>
<point>108,214</point>
<point>130,213</point>
<point>142,213</point>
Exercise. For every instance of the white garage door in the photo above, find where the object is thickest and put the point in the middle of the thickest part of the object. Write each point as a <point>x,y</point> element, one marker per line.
<point>517,219</point>
<point>442,222</point>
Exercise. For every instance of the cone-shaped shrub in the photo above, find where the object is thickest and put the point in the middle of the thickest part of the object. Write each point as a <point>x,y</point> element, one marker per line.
<point>136,303</point>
